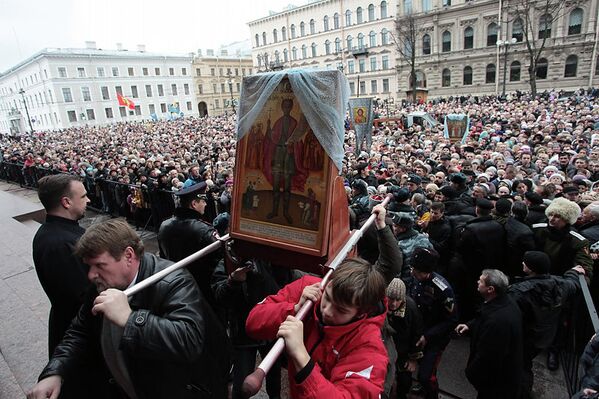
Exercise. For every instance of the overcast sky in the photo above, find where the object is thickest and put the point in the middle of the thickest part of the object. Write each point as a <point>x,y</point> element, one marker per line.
<point>27,26</point>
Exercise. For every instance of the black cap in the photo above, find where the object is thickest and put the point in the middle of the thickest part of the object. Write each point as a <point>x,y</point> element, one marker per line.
<point>448,192</point>
<point>400,194</point>
<point>537,261</point>
<point>414,179</point>
<point>403,219</point>
<point>196,189</point>
<point>425,260</point>
<point>458,178</point>
<point>570,189</point>
<point>484,203</point>
<point>445,157</point>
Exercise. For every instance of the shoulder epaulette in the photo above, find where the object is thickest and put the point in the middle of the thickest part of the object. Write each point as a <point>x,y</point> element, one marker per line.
<point>440,283</point>
<point>577,235</point>
<point>537,225</point>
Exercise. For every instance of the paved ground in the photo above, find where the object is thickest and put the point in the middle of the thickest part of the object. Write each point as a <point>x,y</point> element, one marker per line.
<point>24,309</point>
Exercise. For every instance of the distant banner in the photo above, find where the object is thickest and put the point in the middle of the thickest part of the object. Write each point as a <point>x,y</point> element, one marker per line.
<point>362,116</point>
<point>457,126</point>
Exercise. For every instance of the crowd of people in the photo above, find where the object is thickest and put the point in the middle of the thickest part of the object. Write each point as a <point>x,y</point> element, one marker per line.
<point>492,233</point>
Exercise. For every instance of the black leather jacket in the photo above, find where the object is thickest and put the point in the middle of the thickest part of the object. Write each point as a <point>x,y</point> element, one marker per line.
<point>173,345</point>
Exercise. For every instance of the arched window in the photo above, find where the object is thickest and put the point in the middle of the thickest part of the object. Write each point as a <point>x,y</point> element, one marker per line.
<point>264,38</point>
<point>294,53</point>
<point>542,67</point>
<point>259,59</point>
<point>359,19</point>
<point>426,44</point>
<point>515,71</point>
<point>467,76</point>
<point>383,9</point>
<point>337,45</point>
<point>348,18</point>
<point>492,34</point>
<point>325,23</point>
<point>571,66</point>
<point>545,26</point>
<point>304,52</point>
<point>327,47</point>
<point>312,27</point>
<point>446,38</point>
<point>517,32</point>
<point>277,56</point>
<point>313,49</point>
<point>257,40</point>
<point>446,78</point>
<point>302,29</point>
<point>490,74</point>
<point>292,30</point>
<point>336,21</point>
<point>274,36</point>
<point>285,55</point>
<point>372,38</point>
<point>360,41</point>
<point>468,38</point>
<point>349,42</point>
<point>371,12</point>
<point>420,80</point>
<point>384,37</point>
<point>284,33</point>
<point>575,22</point>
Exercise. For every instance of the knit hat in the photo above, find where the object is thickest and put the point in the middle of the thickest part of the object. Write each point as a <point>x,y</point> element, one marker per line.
<point>537,261</point>
<point>397,289</point>
<point>425,260</point>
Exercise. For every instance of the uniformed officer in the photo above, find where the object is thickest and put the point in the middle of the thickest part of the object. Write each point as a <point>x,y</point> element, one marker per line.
<point>435,300</point>
<point>185,233</point>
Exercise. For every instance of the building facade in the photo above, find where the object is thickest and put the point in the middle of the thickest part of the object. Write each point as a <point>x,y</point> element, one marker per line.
<point>217,80</point>
<point>354,36</point>
<point>75,87</point>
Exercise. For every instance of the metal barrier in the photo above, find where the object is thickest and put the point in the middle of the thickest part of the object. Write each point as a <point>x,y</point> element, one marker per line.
<point>581,324</point>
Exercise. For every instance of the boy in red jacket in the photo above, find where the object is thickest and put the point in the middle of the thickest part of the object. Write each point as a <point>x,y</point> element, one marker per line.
<point>340,352</point>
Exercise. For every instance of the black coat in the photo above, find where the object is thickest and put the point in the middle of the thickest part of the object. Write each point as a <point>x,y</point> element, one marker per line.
<point>519,239</point>
<point>495,363</point>
<point>590,231</point>
<point>439,234</point>
<point>406,331</point>
<point>536,214</point>
<point>172,344</point>
<point>482,245</point>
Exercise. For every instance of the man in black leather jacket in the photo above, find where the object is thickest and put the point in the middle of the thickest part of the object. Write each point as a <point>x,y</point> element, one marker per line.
<point>165,342</point>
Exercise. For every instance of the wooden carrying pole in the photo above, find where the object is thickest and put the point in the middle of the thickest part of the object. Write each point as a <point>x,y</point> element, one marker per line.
<point>176,266</point>
<point>253,382</point>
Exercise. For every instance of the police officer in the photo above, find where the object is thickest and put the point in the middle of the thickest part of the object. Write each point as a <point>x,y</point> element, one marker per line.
<point>185,233</point>
<point>434,297</point>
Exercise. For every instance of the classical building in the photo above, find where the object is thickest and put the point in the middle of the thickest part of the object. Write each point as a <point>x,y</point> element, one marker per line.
<point>75,87</point>
<point>354,36</point>
<point>217,80</point>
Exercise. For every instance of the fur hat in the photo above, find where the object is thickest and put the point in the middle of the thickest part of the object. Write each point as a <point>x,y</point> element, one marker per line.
<point>567,210</point>
<point>396,289</point>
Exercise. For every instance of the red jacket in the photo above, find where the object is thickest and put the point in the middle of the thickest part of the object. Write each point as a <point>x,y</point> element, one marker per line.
<point>350,360</point>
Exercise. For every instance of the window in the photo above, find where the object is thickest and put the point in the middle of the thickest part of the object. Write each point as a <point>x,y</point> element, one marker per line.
<point>188,105</point>
<point>264,38</point>
<point>257,39</point>
<point>212,72</point>
<point>336,21</point>
<point>350,67</point>
<point>371,12</point>
<point>515,71</point>
<point>285,55</point>
<point>384,37</point>
<point>446,78</point>
<point>348,18</point>
<point>571,66</point>
<point>174,89</point>
<point>426,44</point>
<point>198,72</point>
<point>275,37</point>
<point>108,112</point>
<point>184,71</point>
<point>349,42</point>
<point>420,80</point>
<point>373,88</point>
<point>313,49</point>
<point>238,86</point>
<point>542,67</point>
<point>171,71</point>
<point>407,7</point>
<point>123,112</point>
<point>302,29</point>
<point>130,71</point>
<point>337,45</point>
<point>446,41</point>
<point>468,38</point>
<point>91,115</point>
<point>359,17</point>
<point>492,34</point>
<point>100,72</point>
<point>304,52</point>
<point>385,61</point>
<point>575,22</point>
<point>214,88</point>
<point>360,41</point>
<point>66,95</point>
<point>446,3</point>
<point>372,64</point>
<point>517,32</point>
<point>284,33</point>
<point>385,85</point>
<point>119,90</point>
<point>186,88</point>
<point>372,39</point>
<point>137,110</point>
<point>152,109</point>
<point>327,47</point>
<point>145,72</point>
<point>361,65</point>
<point>72,115</point>
<point>325,23</point>
<point>105,93</point>
<point>352,88</point>
<point>217,103</point>
<point>362,87</point>
<point>148,90</point>
<point>426,5</point>
<point>200,89</point>
<point>312,27</point>
<point>467,76</point>
<point>163,107</point>
<point>294,53</point>
<point>490,74</point>
<point>115,72</point>
<point>292,29</point>
<point>545,26</point>
<point>383,9</point>
<point>85,94</point>
<point>157,71</point>
<point>134,92</point>
<point>80,72</point>
<point>160,91</point>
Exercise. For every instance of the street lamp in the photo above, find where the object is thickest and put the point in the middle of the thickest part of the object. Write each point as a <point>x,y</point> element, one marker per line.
<point>230,82</point>
<point>506,44</point>
<point>22,93</point>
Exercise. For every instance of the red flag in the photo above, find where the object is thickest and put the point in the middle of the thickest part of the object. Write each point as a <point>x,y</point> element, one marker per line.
<point>124,101</point>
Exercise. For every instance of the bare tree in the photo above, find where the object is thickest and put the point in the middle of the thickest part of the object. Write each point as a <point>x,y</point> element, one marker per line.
<point>405,42</point>
<point>537,18</point>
